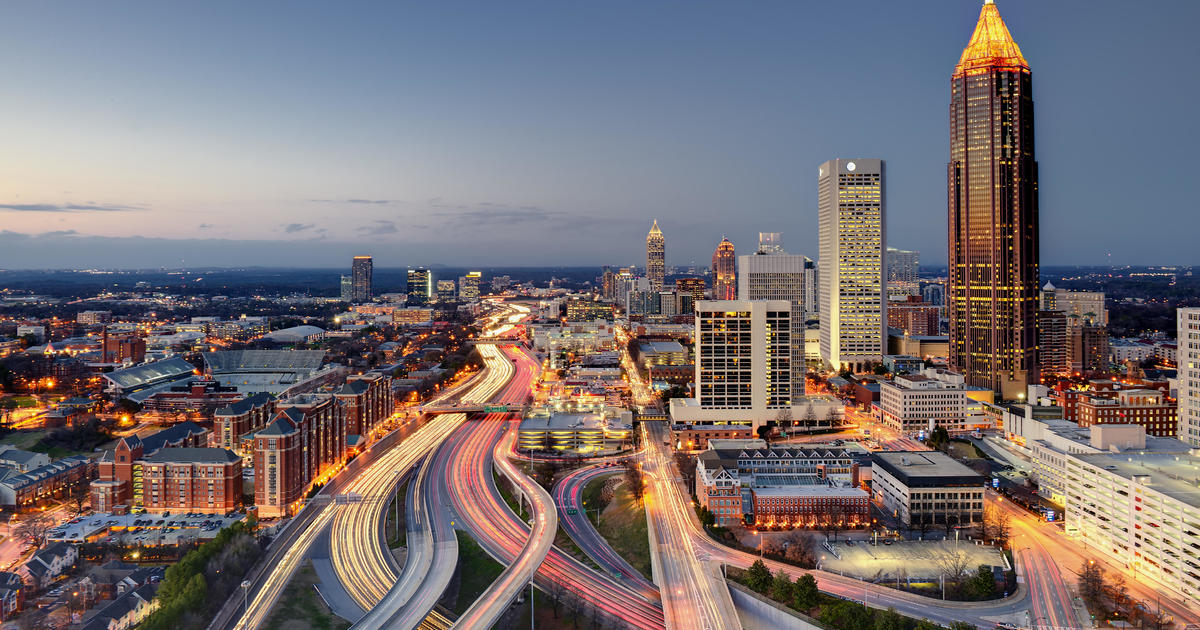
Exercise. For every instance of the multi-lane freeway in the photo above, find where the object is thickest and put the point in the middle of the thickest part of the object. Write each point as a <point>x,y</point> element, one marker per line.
<point>503,534</point>
<point>572,515</point>
<point>694,593</point>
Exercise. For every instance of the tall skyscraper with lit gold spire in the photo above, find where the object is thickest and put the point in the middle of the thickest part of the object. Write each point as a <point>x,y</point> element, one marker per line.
<point>993,213</point>
<point>656,257</point>
<point>724,269</point>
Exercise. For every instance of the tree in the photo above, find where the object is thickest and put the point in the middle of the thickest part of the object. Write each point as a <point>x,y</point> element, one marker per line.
<point>128,406</point>
<point>983,583</point>
<point>764,433</point>
<point>781,587</point>
<point>880,370</point>
<point>758,576</point>
<point>78,495</point>
<point>939,438</point>
<point>800,550</point>
<point>557,593</point>
<point>953,566</point>
<point>633,477</point>
<point>890,620</point>
<point>805,593</point>
<point>783,419</point>
<point>1091,584</point>
<point>35,527</point>
<point>846,615</point>
<point>706,517</point>
<point>996,524</point>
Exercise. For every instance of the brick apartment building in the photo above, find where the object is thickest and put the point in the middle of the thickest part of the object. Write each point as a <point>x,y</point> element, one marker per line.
<point>306,438</point>
<point>120,482</point>
<point>182,480</point>
<point>366,401</point>
<point>914,316</point>
<point>234,426</point>
<point>1146,407</point>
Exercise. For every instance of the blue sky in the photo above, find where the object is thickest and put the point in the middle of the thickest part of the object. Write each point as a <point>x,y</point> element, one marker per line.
<point>551,133</point>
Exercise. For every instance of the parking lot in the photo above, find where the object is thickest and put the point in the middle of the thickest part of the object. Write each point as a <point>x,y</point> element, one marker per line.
<point>913,560</point>
<point>143,529</point>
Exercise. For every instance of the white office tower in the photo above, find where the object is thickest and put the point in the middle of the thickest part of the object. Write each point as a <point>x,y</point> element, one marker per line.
<point>778,277</point>
<point>1188,360</point>
<point>770,243</point>
<point>851,200</point>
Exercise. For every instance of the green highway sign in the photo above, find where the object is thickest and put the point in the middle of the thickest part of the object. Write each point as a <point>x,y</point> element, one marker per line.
<point>495,408</point>
<point>572,511</point>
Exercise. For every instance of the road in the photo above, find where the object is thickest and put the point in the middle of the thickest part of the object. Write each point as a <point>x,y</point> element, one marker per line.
<point>568,495</point>
<point>984,614</point>
<point>292,544</point>
<point>361,559</point>
<point>502,534</point>
<point>694,593</point>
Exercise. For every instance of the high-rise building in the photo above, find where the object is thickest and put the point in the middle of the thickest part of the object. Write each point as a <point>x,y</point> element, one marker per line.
<point>770,243</point>
<point>992,184</point>
<point>347,289</point>
<point>902,276</point>
<point>468,285</point>
<point>691,286</point>
<point>361,271</point>
<point>1188,360</point>
<point>446,290</point>
<point>934,293</point>
<point>852,207</point>
<point>656,257</point>
<point>420,286</point>
<point>724,270</point>
<point>812,295</point>
<point>778,277</point>
<point>1054,352</point>
<point>914,316</point>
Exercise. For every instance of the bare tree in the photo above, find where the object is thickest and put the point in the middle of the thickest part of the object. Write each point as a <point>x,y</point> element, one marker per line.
<point>1091,584</point>
<point>996,524</point>
<point>954,565</point>
<point>35,528</point>
<point>557,592</point>
<point>596,615</point>
<point>800,550</point>
<point>783,419</point>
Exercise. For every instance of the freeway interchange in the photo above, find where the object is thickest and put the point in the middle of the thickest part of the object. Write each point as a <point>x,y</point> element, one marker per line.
<point>453,465</point>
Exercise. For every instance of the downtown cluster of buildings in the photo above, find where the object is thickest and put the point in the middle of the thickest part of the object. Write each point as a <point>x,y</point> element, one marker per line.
<point>421,288</point>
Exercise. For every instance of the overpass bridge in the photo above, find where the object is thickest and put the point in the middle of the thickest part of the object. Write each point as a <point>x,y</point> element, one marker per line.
<point>471,408</point>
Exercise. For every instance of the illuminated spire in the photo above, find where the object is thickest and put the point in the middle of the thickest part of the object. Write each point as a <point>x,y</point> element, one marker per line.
<point>654,228</point>
<point>991,45</point>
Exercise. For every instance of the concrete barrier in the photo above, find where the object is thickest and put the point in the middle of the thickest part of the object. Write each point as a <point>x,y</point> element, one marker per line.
<point>760,613</point>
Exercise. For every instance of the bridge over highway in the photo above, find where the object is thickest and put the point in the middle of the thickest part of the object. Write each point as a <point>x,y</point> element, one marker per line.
<point>471,408</point>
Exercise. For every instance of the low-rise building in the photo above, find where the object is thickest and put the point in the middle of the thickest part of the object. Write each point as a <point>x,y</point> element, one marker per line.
<point>925,488</point>
<point>127,610</point>
<point>782,486</point>
<point>40,486</point>
<point>914,403</point>
<point>50,564</point>
<point>187,480</point>
<point>12,595</point>
<point>1146,407</point>
<point>580,430</point>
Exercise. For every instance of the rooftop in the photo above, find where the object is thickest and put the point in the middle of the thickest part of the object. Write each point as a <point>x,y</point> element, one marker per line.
<point>193,456</point>
<point>264,360</point>
<point>147,374</point>
<point>926,468</point>
<point>1176,475</point>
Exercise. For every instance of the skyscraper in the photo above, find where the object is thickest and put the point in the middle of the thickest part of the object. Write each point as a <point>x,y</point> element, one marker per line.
<point>770,243</point>
<point>778,276</point>
<point>724,269</point>
<point>420,286</point>
<point>347,289</point>
<point>992,185</point>
<point>1188,360</point>
<point>851,205</point>
<point>361,271</point>
<point>656,257</point>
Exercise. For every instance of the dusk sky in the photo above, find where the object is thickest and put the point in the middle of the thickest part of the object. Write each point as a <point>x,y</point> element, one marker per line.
<point>515,133</point>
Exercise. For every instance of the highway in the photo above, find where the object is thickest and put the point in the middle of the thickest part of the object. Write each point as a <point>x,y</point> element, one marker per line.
<point>568,495</point>
<point>694,593</point>
<point>483,513</point>
<point>360,557</point>
<point>292,545</point>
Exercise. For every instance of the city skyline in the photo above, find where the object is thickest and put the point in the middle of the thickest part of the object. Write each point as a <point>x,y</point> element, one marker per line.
<point>76,185</point>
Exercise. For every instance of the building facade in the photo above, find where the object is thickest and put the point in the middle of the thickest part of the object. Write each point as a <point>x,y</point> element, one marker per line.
<point>1149,408</point>
<point>852,209</point>
<point>724,271</point>
<point>778,276</point>
<point>1188,359</point>
<point>468,285</point>
<point>420,286</point>
<point>927,488</point>
<point>656,257</point>
<point>362,271</point>
<point>992,182</point>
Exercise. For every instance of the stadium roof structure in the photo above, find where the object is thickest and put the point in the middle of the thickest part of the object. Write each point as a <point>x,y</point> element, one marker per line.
<point>243,361</point>
<point>150,374</point>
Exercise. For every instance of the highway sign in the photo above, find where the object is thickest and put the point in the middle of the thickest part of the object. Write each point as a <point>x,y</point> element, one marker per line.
<point>572,511</point>
<point>495,409</point>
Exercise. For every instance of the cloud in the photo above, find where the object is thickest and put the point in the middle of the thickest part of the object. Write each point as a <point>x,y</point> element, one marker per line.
<point>69,207</point>
<point>377,228</point>
<point>58,233</point>
<point>494,214</point>
<point>292,228</point>
<point>361,201</point>
<point>205,226</point>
